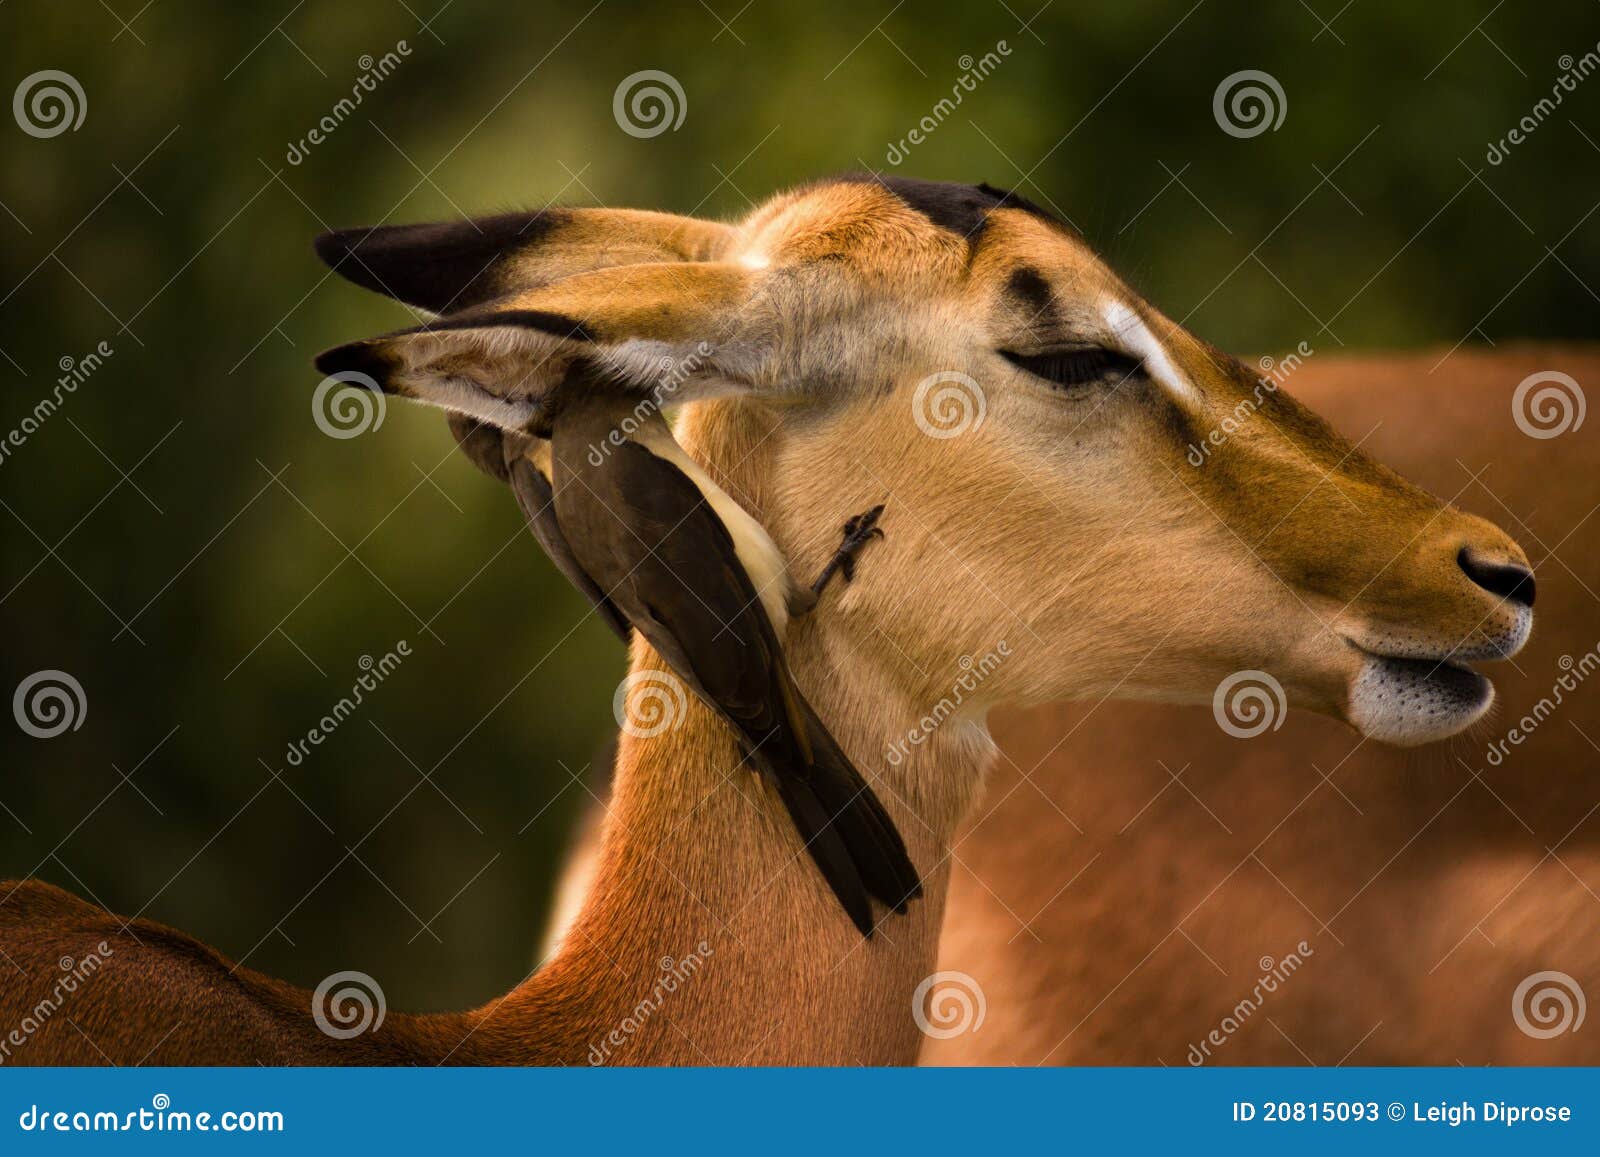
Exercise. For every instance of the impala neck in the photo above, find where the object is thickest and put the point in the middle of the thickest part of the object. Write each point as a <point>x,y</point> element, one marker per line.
<point>709,937</point>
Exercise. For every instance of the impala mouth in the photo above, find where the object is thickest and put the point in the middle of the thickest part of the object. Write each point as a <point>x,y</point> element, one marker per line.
<point>1405,700</point>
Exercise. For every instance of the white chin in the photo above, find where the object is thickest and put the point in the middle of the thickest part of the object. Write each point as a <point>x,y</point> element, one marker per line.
<point>1410,701</point>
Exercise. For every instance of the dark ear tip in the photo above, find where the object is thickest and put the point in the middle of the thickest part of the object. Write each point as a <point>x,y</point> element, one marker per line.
<point>333,246</point>
<point>359,362</point>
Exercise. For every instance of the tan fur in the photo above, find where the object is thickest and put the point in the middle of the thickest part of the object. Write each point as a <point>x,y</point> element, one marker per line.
<point>1060,533</point>
<point>1441,903</point>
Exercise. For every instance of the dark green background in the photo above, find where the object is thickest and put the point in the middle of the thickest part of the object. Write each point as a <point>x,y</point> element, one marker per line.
<point>245,541</point>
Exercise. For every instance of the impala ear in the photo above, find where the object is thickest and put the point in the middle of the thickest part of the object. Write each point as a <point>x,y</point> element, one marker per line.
<point>668,331</point>
<point>459,265</point>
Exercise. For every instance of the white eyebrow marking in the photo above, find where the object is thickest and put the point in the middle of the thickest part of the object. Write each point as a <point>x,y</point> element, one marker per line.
<point>1137,341</point>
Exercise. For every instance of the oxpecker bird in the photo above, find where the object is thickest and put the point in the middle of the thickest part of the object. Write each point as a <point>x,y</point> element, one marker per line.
<point>714,589</point>
<point>707,587</point>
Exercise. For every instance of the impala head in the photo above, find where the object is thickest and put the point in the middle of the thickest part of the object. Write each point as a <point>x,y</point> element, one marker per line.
<point>1067,470</point>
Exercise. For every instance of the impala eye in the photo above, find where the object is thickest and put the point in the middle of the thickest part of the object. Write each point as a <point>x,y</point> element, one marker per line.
<point>1076,367</point>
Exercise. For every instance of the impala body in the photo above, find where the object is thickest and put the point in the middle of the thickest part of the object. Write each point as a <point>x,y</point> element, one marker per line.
<point>962,357</point>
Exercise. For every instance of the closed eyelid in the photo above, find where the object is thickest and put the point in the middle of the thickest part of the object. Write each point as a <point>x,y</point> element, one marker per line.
<point>1075,367</point>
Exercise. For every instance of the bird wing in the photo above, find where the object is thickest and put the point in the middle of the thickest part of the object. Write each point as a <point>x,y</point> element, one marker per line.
<point>648,533</point>
<point>683,586</point>
<point>502,455</point>
<point>482,443</point>
<point>534,496</point>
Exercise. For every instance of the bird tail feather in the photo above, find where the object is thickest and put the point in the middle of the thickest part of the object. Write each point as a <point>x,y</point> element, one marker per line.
<point>845,828</point>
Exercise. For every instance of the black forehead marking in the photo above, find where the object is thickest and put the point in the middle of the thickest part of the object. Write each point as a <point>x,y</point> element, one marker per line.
<point>962,209</point>
<point>1032,290</point>
<point>1009,199</point>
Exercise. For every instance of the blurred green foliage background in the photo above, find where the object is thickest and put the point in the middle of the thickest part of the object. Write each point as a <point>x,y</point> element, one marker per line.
<point>183,540</point>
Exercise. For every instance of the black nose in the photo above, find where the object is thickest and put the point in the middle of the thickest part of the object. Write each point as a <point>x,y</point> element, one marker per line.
<point>1510,581</point>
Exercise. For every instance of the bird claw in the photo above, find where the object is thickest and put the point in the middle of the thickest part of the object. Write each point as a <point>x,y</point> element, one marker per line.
<point>858,531</point>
